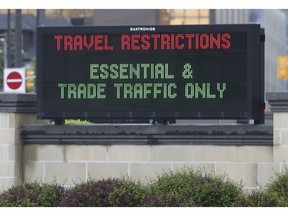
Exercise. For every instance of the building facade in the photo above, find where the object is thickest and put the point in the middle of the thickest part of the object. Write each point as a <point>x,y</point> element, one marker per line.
<point>275,24</point>
<point>271,20</point>
<point>112,17</point>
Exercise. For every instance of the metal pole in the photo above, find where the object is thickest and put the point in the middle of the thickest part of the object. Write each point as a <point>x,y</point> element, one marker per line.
<point>4,52</point>
<point>212,16</point>
<point>8,38</point>
<point>18,38</point>
<point>37,17</point>
<point>40,17</point>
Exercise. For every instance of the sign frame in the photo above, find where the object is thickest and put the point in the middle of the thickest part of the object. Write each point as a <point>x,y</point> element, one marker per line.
<point>255,104</point>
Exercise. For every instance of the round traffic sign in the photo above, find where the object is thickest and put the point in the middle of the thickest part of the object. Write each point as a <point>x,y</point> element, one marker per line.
<point>14,80</point>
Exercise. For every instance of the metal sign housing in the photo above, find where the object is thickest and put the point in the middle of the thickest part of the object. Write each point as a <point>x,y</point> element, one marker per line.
<point>151,72</point>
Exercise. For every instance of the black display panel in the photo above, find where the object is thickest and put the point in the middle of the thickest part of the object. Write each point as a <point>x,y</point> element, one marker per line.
<point>151,72</point>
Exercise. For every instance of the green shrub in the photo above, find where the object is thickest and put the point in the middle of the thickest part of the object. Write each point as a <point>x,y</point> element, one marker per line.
<point>76,121</point>
<point>257,198</point>
<point>275,194</point>
<point>278,188</point>
<point>104,193</point>
<point>32,195</point>
<point>168,200</point>
<point>204,189</point>
<point>183,188</point>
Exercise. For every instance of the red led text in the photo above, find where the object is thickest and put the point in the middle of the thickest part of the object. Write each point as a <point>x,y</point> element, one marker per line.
<point>175,41</point>
<point>82,42</point>
<point>203,41</point>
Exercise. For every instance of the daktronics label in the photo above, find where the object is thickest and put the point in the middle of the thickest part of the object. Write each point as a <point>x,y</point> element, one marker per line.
<point>209,71</point>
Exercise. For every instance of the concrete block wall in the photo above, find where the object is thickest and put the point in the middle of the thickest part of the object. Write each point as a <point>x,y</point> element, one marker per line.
<point>11,147</point>
<point>279,106</point>
<point>9,151</point>
<point>68,164</point>
<point>72,153</point>
<point>15,111</point>
<point>281,137</point>
<point>68,154</point>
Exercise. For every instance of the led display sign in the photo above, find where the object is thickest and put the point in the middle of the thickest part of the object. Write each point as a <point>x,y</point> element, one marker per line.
<point>151,72</point>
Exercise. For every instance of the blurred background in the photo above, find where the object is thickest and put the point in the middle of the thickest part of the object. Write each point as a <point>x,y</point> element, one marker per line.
<point>18,32</point>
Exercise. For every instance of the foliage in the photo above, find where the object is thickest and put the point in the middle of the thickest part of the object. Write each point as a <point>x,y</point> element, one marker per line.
<point>170,199</point>
<point>32,195</point>
<point>278,188</point>
<point>104,193</point>
<point>257,198</point>
<point>274,194</point>
<point>76,121</point>
<point>204,189</point>
<point>183,188</point>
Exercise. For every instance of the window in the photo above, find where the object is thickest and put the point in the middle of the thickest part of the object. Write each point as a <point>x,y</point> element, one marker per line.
<point>189,16</point>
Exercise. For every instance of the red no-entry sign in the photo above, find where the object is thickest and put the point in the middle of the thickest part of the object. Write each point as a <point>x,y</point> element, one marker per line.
<point>14,80</point>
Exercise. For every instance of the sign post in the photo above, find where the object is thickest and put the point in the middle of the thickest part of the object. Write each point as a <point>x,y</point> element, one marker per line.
<point>14,80</point>
<point>151,72</point>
